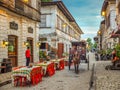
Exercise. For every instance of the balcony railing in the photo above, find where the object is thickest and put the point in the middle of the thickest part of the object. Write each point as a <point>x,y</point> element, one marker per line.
<point>21,8</point>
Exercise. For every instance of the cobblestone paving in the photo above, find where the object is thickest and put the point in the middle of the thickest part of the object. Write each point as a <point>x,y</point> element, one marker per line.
<point>4,77</point>
<point>106,79</point>
<point>62,80</point>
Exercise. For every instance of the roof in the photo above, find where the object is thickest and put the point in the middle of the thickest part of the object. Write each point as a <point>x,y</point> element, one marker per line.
<point>62,7</point>
<point>103,22</point>
<point>64,10</point>
<point>104,6</point>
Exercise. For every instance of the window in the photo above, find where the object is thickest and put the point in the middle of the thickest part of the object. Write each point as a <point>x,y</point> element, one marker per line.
<point>119,8</point>
<point>58,22</point>
<point>108,21</point>
<point>43,21</point>
<point>68,29</point>
<point>19,5</point>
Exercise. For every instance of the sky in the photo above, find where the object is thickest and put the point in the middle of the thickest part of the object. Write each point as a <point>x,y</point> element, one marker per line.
<point>87,15</point>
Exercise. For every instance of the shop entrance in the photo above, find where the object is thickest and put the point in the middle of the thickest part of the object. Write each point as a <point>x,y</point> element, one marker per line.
<point>12,49</point>
<point>30,44</point>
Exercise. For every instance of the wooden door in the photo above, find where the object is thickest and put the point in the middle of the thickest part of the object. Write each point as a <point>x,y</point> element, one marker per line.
<point>12,49</point>
<point>60,50</point>
<point>30,44</point>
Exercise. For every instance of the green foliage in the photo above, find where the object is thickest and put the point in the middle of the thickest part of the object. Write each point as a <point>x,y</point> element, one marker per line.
<point>90,44</point>
<point>65,54</point>
<point>101,52</point>
<point>42,54</point>
<point>95,45</point>
<point>109,51</point>
<point>117,48</point>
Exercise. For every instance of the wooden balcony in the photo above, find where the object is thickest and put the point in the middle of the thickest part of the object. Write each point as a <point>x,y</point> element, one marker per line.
<point>21,8</point>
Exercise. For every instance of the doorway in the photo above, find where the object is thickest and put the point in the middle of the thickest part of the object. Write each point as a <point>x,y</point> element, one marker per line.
<point>60,50</point>
<point>30,44</point>
<point>12,49</point>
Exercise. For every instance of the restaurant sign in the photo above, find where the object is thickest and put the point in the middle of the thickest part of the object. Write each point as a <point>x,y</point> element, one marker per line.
<point>30,30</point>
<point>13,25</point>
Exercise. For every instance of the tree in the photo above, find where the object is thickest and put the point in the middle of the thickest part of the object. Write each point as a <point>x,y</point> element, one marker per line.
<point>90,44</point>
<point>95,45</point>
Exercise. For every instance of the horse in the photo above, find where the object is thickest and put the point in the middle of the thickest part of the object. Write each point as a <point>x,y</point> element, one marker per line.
<point>76,61</point>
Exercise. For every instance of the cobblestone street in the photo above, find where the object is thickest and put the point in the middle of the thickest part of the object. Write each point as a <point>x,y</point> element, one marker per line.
<point>106,79</point>
<point>62,80</point>
<point>68,80</point>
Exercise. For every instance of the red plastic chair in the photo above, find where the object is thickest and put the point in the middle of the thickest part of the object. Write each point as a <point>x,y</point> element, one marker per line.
<point>36,75</point>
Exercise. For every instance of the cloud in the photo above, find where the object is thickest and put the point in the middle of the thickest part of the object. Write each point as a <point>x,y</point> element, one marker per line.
<point>87,15</point>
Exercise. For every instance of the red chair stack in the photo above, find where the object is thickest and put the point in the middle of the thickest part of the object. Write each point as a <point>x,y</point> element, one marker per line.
<point>36,75</point>
<point>61,67</point>
<point>50,69</point>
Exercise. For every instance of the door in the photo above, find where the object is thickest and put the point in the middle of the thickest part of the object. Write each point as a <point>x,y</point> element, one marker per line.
<point>30,44</point>
<point>60,50</point>
<point>12,49</point>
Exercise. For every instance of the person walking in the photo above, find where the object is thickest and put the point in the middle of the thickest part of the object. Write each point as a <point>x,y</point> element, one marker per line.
<point>27,54</point>
<point>70,58</point>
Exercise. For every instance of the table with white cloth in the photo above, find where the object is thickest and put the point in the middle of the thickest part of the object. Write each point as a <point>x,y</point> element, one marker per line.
<point>48,67</point>
<point>23,72</point>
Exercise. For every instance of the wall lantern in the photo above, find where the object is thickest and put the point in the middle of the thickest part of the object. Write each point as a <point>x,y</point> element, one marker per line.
<point>5,43</point>
<point>26,43</point>
<point>99,32</point>
<point>64,25</point>
<point>38,44</point>
<point>25,1</point>
<point>103,13</point>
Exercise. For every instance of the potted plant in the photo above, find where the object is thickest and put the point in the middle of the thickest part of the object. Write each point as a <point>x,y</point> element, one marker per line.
<point>117,48</point>
<point>42,56</point>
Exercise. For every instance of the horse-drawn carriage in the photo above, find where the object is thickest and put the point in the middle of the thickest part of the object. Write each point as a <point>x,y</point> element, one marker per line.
<point>77,54</point>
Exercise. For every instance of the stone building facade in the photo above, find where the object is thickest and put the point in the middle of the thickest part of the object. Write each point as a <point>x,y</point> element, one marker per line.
<point>19,25</point>
<point>109,13</point>
<point>58,26</point>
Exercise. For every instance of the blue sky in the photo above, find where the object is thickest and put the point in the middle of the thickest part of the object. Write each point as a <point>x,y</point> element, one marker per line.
<point>86,14</point>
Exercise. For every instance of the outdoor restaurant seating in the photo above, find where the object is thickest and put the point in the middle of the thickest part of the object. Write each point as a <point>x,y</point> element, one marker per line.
<point>22,75</point>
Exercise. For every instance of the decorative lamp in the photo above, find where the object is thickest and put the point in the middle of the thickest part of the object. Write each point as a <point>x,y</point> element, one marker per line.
<point>38,43</point>
<point>25,1</point>
<point>5,43</point>
<point>26,43</point>
<point>103,13</point>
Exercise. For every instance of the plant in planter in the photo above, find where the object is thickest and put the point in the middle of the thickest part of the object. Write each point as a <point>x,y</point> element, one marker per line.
<point>117,48</point>
<point>42,56</point>
<point>65,54</point>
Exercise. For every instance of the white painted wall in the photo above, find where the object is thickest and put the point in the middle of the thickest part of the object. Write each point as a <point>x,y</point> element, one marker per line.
<point>51,21</point>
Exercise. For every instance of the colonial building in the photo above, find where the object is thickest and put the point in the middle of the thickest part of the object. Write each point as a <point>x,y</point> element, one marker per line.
<point>117,31</point>
<point>19,26</point>
<point>58,27</point>
<point>109,13</point>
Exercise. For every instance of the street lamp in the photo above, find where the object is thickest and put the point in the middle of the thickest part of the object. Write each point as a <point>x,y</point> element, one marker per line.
<point>103,13</point>
<point>99,32</point>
